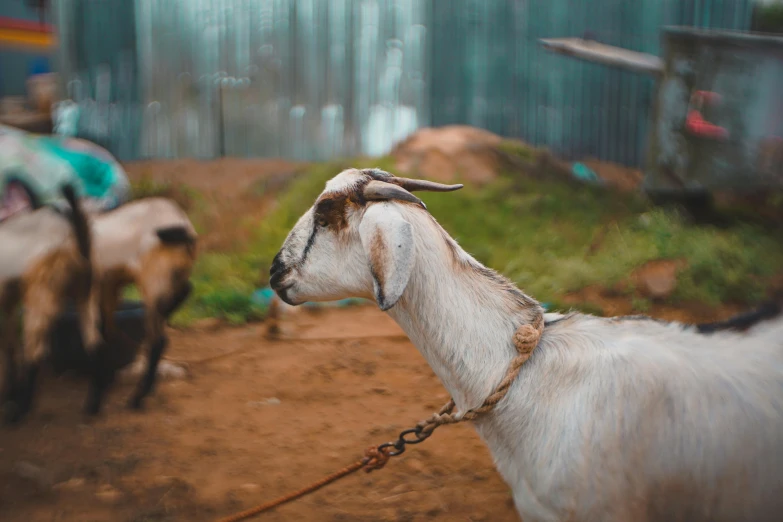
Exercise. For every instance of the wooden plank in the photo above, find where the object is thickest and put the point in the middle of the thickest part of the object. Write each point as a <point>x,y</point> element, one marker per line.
<point>592,51</point>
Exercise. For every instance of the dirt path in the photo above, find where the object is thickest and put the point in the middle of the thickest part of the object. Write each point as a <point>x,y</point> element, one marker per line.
<point>267,419</point>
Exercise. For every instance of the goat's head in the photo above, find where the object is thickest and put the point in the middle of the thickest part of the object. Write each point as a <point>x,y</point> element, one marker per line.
<point>353,241</point>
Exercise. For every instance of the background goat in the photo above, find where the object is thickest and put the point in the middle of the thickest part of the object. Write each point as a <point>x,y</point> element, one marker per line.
<point>44,262</point>
<point>611,419</point>
<point>150,243</point>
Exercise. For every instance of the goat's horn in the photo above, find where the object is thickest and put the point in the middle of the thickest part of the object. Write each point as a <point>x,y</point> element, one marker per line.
<point>422,184</point>
<point>380,190</point>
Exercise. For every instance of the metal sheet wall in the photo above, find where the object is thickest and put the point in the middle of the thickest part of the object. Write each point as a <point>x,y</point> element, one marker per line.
<point>315,79</point>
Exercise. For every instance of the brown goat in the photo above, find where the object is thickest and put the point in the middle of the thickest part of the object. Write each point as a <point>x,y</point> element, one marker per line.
<point>44,262</point>
<point>150,243</point>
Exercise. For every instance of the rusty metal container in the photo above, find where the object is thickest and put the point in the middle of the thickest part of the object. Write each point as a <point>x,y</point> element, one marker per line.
<point>717,123</point>
<point>718,113</point>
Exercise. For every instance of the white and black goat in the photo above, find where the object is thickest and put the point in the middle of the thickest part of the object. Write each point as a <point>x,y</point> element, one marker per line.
<point>610,420</point>
<point>150,243</point>
<point>44,262</point>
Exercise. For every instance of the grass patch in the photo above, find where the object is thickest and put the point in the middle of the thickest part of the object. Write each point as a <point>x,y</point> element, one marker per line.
<point>518,149</point>
<point>550,237</point>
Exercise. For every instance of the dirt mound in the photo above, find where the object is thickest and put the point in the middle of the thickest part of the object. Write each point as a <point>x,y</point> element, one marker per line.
<point>448,153</point>
<point>476,156</point>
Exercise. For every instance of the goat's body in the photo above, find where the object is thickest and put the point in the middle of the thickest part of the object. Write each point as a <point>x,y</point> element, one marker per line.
<point>44,262</point>
<point>610,419</point>
<point>29,237</point>
<point>124,236</point>
<point>615,420</point>
<point>149,243</point>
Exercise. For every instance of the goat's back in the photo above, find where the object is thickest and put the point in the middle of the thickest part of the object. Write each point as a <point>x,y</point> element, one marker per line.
<point>123,235</point>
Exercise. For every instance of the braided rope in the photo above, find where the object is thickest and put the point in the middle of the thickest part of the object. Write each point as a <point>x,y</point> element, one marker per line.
<point>525,340</point>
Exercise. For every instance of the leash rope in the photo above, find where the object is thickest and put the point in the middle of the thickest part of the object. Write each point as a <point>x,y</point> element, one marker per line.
<point>525,340</point>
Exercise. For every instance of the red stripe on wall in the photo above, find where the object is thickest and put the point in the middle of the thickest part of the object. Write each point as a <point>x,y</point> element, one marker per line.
<point>24,25</point>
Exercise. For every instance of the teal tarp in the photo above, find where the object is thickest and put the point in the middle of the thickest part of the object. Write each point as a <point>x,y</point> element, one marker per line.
<point>44,163</point>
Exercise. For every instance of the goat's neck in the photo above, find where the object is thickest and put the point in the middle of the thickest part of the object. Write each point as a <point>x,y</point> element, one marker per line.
<point>461,317</point>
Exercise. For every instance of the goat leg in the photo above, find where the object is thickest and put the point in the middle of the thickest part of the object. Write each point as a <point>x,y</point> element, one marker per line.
<point>8,344</point>
<point>22,402</point>
<point>9,381</point>
<point>164,308</point>
<point>9,394</point>
<point>102,375</point>
<point>9,385</point>
<point>168,307</point>
<point>147,383</point>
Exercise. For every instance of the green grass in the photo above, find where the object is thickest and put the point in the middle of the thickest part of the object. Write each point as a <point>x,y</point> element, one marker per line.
<point>551,238</point>
<point>539,234</point>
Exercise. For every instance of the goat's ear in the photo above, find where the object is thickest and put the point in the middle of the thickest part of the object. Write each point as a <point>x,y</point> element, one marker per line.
<point>388,242</point>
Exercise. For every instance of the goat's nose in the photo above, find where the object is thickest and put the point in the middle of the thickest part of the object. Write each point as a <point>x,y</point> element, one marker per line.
<point>277,265</point>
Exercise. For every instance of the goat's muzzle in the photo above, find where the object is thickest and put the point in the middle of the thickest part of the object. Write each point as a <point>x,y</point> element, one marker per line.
<point>278,271</point>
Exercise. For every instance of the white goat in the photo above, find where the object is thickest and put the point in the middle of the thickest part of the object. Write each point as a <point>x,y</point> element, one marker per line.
<point>44,262</point>
<point>150,243</point>
<point>611,419</point>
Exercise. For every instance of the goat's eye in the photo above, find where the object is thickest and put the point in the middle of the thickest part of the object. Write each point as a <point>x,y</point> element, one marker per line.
<point>322,222</point>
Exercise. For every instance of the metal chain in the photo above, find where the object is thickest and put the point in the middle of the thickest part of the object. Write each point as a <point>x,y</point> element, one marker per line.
<point>525,339</point>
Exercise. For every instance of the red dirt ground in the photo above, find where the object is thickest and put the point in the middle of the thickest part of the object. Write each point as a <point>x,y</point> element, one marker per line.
<point>211,445</point>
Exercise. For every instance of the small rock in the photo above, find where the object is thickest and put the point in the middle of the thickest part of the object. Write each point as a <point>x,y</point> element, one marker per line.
<point>657,279</point>
<point>165,480</point>
<point>73,484</point>
<point>249,486</point>
<point>171,371</point>
<point>272,401</point>
<point>33,473</point>
<point>108,493</point>
<point>380,391</point>
<point>207,324</point>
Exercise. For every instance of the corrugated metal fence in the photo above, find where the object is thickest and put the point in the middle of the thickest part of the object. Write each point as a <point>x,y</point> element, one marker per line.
<point>314,79</point>
<point>16,64</point>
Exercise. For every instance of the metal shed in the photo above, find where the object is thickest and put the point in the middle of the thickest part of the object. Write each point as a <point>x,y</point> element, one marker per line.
<point>717,120</point>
